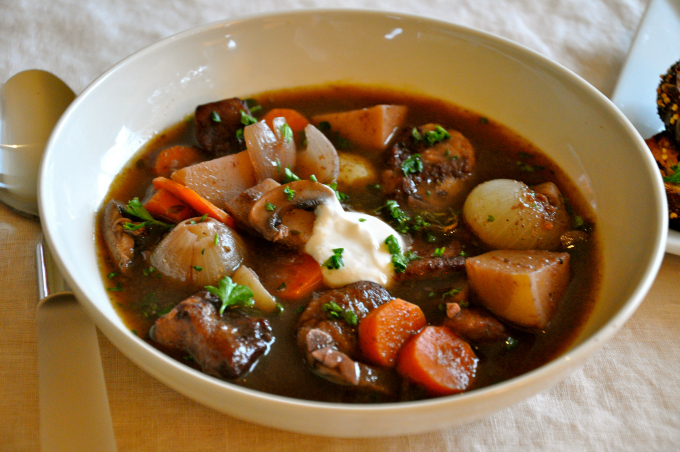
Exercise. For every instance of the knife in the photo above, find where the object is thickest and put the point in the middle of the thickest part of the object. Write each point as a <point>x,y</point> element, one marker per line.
<point>74,408</point>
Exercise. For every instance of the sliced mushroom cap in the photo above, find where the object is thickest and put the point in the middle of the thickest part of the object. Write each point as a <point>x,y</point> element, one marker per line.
<point>268,215</point>
<point>120,244</point>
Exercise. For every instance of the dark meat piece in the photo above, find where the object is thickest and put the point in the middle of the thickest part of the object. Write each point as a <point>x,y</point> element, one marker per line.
<point>331,345</point>
<point>217,124</point>
<point>120,244</point>
<point>432,267</point>
<point>668,101</point>
<point>445,167</point>
<point>666,152</point>
<point>359,297</point>
<point>474,324</point>
<point>224,346</point>
<point>240,206</point>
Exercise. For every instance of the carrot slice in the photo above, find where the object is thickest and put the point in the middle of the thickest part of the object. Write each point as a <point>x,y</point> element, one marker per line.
<point>297,278</point>
<point>174,158</point>
<point>295,120</point>
<point>385,329</point>
<point>201,205</point>
<point>165,206</point>
<point>438,360</point>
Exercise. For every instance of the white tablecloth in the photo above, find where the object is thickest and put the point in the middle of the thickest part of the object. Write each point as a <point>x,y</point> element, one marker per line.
<point>626,397</point>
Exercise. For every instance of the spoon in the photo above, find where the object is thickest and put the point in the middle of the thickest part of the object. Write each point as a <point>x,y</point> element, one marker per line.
<point>74,409</point>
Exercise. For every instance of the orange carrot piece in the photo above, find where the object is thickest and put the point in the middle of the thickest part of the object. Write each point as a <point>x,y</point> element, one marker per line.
<point>165,206</point>
<point>438,360</point>
<point>385,329</point>
<point>201,205</point>
<point>295,120</point>
<point>174,158</point>
<point>298,277</point>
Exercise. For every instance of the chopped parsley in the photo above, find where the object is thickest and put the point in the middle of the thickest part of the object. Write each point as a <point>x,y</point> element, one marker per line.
<point>401,221</point>
<point>215,117</point>
<point>439,252</point>
<point>490,218</point>
<point>112,275</point>
<point>341,196</point>
<point>437,135</point>
<point>198,268</point>
<point>412,165</point>
<point>246,119</point>
<point>269,207</point>
<point>290,194</point>
<point>399,260</point>
<point>335,312</point>
<point>335,261</point>
<point>136,209</point>
<point>286,132</point>
<point>231,294</point>
<point>289,176</point>
<point>675,177</point>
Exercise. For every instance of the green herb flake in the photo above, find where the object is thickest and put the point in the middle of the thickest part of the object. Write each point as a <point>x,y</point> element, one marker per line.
<point>289,176</point>
<point>510,343</point>
<point>216,240</point>
<point>246,119</point>
<point>148,271</point>
<point>335,261</point>
<point>269,207</point>
<point>135,208</point>
<point>290,194</point>
<point>112,275</point>
<point>198,268</point>
<point>675,177</point>
<point>336,312</point>
<point>313,178</point>
<point>231,294</point>
<point>439,252</point>
<point>412,165</point>
<point>117,288</point>
<point>490,218</point>
<point>399,260</point>
<point>286,132</point>
<point>361,220</point>
<point>341,196</point>
<point>215,117</point>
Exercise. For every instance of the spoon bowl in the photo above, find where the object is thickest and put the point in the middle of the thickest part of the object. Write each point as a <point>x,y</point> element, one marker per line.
<point>31,103</point>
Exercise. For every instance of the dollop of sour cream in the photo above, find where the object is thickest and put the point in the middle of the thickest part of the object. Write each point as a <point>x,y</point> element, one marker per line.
<point>362,238</point>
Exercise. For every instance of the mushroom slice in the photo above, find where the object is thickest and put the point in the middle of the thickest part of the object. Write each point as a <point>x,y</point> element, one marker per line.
<point>120,244</point>
<point>284,204</point>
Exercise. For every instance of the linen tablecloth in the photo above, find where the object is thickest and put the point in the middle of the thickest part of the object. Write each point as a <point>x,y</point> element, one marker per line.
<point>626,397</point>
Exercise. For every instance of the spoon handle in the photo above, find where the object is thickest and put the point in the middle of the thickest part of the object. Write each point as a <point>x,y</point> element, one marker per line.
<point>74,409</point>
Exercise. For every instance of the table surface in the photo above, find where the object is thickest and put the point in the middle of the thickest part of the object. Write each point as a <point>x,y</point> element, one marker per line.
<point>626,396</point>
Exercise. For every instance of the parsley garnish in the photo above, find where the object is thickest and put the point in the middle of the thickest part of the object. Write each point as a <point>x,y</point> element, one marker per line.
<point>231,294</point>
<point>335,261</point>
<point>269,207</point>
<point>439,252</point>
<point>290,194</point>
<point>136,209</point>
<point>335,312</point>
<point>286,132</point>
<point>341,196</point>
<point>432,137</point>
<point>412,165</point>
<point>675,177</point>
<point>246,119</point>
<point>403,223</point>
<point>289,176</point>
<point>198,268</point>
<point>490,218</point>
<point>215,117</point>
<point>399,260</point>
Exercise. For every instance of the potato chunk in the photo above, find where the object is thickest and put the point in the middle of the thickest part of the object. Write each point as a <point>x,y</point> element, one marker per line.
<point>367,127</point>
<point>219,179</point>
<point>521,286</point>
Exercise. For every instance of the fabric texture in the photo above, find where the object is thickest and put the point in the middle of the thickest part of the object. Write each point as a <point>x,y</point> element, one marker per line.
<point>625,397</point>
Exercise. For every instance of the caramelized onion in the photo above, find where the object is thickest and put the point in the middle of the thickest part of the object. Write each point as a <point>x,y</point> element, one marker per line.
<point>264,301</point>
<point>201,253</point>
<point>269,151</point>
<point>319,159</point>
<point>507,214</point>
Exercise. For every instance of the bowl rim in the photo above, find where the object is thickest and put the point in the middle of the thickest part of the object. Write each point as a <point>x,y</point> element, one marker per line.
<point>553,371</point>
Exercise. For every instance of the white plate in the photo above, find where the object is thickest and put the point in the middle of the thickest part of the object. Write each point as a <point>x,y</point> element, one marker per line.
<point>655,48</point>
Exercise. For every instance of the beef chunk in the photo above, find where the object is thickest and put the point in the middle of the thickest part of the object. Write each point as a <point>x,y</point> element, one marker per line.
<point>217,124</point>
<point>224,346</point>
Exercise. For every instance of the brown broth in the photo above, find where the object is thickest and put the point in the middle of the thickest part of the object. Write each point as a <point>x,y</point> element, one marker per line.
<point>500,153</point>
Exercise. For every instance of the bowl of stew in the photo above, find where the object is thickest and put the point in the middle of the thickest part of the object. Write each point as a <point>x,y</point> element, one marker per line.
<point>351,223</point>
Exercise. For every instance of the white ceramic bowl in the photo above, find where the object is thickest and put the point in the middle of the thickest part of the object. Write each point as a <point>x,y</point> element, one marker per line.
<point>563,115</point>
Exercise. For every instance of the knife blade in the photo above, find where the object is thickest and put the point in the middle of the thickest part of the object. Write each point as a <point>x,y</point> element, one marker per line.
<point>74,407</point>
